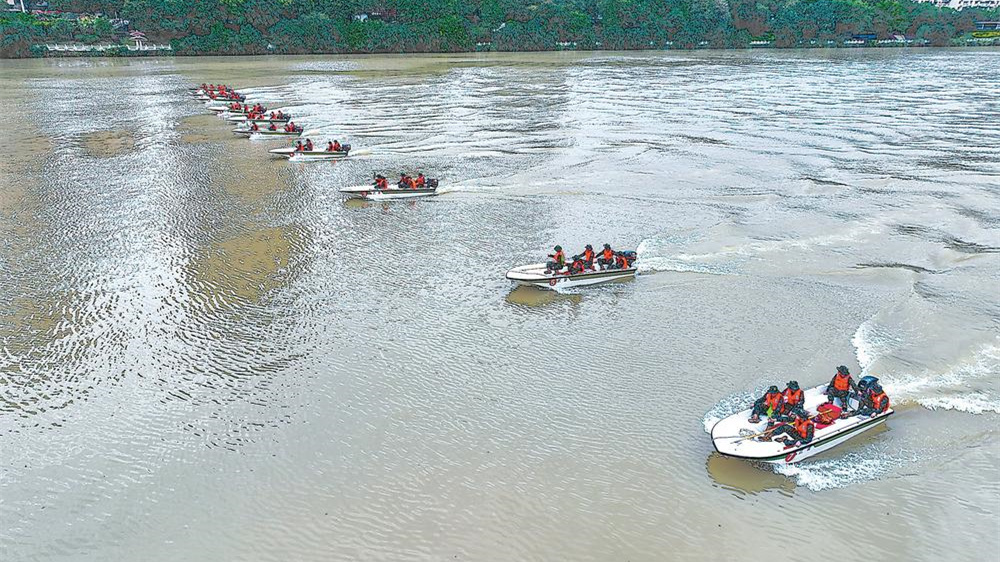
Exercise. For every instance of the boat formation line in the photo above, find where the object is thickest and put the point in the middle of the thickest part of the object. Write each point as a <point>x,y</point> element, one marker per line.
<point>781,427</point>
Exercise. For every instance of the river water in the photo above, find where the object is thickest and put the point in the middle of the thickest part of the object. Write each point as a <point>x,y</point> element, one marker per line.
<point>208,354</point>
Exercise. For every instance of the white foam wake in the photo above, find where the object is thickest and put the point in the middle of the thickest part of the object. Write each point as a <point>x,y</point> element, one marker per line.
<point>727,407</point>
<point>854,467</point>
<point>969,386</point>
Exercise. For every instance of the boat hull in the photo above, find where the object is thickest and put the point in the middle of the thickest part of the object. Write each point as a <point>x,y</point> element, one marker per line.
<point>303,156</point>
<point>535,275</point>
<point>728,435</point>
<point>261,135</point>
<point>370,193</point>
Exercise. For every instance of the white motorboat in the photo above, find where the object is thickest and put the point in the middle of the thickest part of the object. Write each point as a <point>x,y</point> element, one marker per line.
<point>265,134</point>
<point>238,118</point>
<point>309,155</point>
<point>372,193</point>
<point>538,275</point>
<point>735,436</point>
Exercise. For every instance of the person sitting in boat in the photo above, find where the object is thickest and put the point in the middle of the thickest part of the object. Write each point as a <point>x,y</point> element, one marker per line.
<point>254,127</point>
<point>799,431</point>
<point>840,388</point>
<point>309,145</point>
<point>421,181</point>
<point>558,261</point>
<point>381,182</point>
<point>621,262</point>
<point>792,401</point>
<point>588,256</point>
<point>272,127</point>
<point>406,182</point>
<point>281,114</point>
<point>577,265</point>
<point>298,146</point>
<point>768,405</point>
<point>606,258</point>
<point>873,402</point>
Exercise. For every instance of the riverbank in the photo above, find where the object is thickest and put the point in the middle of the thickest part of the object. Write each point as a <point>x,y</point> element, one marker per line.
<point>216,27</point>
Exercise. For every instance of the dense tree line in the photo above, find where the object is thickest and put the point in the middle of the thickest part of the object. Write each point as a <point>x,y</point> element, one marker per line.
<point>329,26</point>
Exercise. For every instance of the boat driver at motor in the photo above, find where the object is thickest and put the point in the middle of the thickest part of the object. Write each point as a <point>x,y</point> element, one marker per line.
<point>768,405</point>
<point>840,388</point>
<point>607,257</point>
<point>621,262</point>
<point>800,431</point>
<point>873,402</point>
<point>558,261</point>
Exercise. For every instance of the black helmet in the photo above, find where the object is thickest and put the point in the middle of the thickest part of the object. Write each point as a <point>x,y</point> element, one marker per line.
<point>608,246</point>
<point>843,370</point>
<point>794,385</point>
<point>773,389</point>
<point>589,247</point>
<point>558,248</point>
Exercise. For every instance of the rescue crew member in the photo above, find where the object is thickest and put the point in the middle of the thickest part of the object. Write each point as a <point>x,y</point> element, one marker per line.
<point>421,181</point>
<point>254,127</point>
<point>621,262</point>
<point>577,265</point>
<point>588,256</point>
<point>329,147</point>
<point>873,402</point>
<point>336,146</point>
<point>768,405</point>
<point>298,146</point>
<point>607,257</point>
<point>801,431</point>
<point>272,127</point>
<point>558,261</point>
<point>309,145</point>
<point>840,388</point>
<point>792,400</point>
<point>381,182</point>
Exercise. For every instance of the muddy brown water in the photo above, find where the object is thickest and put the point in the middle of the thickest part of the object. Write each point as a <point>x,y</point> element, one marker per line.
<point>207,354</point>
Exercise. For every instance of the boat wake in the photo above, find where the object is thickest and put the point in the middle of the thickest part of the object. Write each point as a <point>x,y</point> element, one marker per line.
<point>971,384</point>
<point>851,468</point>
<point>654,256</point>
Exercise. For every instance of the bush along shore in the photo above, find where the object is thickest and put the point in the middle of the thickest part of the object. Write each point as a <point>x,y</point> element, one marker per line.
<point>237,27</point>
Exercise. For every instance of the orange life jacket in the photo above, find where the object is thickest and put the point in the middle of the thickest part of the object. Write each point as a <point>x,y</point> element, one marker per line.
<point>608,254</point>
<point>841,382</point>
<point>792,397</point>
<point>880,401</point>
<point>802,427</point>
<point>772,400</point>
<point>420,181</point>
<point>588,255</point>
<point>623,262</point>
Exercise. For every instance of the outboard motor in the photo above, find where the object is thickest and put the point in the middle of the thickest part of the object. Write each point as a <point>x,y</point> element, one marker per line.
<point>346,148</point>
<point>866,383</point>
<point>432,183</point>
<point>630,255</point>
